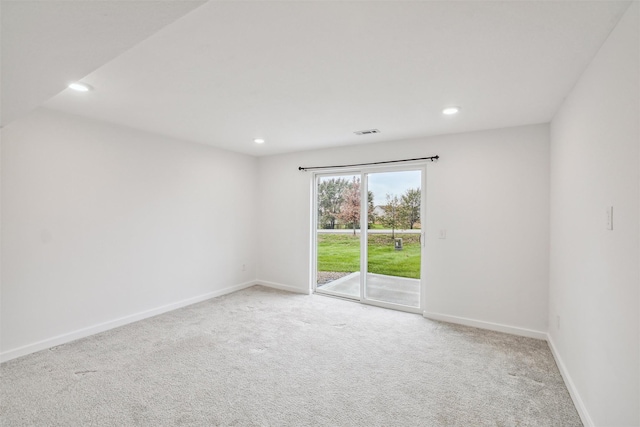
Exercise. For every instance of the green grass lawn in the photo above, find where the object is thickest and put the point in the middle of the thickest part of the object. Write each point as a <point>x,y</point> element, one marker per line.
<point>341,252</point>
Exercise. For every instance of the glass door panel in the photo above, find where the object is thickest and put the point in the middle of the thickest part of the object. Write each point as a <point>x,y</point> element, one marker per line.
<point>338,235</point>
<point>393,238</point>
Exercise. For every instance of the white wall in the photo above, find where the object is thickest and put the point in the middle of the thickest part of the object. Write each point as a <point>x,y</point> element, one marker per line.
<point>490,191</point>
<point>102,222</point>
<point>594,272</point>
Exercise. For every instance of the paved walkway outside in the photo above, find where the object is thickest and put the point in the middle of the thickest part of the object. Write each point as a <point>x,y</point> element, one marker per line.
<point>379,287</point>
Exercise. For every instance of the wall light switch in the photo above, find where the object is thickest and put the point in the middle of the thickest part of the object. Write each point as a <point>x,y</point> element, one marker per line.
<point>442,234</point>
<point>610,218</point>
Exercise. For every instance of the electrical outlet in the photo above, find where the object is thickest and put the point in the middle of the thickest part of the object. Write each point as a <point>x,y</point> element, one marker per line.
<point>442,234</point>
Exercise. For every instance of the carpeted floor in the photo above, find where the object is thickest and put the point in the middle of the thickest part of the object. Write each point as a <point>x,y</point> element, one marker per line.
<point>266,357</point>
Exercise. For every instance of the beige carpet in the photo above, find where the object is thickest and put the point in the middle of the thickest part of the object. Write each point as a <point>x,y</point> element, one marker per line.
<point>269,358</point>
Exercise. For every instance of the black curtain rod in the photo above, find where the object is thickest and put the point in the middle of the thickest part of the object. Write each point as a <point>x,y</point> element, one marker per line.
<point>432,158</point>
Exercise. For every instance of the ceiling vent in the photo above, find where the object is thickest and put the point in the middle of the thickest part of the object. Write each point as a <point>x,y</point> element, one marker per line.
<point>367,132</point>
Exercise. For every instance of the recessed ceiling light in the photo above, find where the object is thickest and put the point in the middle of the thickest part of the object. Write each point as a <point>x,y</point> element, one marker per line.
<point>259,141</point>
<point>80,87</point>
<point>451,110</point>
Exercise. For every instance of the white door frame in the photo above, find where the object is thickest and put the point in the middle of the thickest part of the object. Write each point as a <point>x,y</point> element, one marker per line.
<point>363,172</point>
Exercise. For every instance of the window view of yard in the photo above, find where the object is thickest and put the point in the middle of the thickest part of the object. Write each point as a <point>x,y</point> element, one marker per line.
<point>393,212</point>
<point>341,253</point>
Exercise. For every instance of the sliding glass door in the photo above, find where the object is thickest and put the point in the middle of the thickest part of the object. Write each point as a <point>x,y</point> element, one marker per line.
<point>338,235</point>
<point>394,238</point>
<point>369,236</point>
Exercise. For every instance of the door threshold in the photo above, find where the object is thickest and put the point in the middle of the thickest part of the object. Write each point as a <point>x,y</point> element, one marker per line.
<point>380,304</point>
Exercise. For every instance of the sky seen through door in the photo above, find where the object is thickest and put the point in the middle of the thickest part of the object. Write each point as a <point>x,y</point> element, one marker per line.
<point>393,183</point>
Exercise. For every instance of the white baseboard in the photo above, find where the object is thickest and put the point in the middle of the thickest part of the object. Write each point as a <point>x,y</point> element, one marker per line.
<point>283,287</point>
<point>95,329</point>
<point>573,392</point>
<point>513,330</point>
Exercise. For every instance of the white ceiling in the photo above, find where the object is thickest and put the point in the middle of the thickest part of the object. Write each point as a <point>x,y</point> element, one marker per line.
<point>306,75</point>
<point>47,44</point>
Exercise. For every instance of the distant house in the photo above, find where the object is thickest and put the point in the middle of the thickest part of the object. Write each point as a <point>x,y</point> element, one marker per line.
<point>378,211</point>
